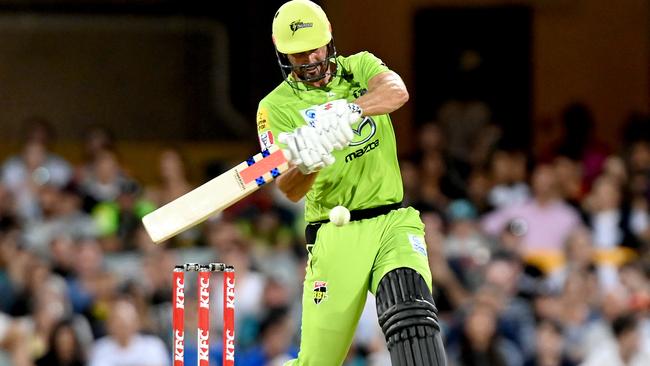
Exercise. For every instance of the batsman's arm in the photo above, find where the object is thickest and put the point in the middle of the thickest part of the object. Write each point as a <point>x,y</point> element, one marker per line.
<point>386,93</point>
<point>294,184</point>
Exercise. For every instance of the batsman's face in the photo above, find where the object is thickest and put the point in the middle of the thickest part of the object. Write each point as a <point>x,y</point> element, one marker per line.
<point>314,58</point>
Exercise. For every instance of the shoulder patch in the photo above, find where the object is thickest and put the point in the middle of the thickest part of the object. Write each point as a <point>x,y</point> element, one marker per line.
<point>266,140</point>
<point>263,120</point>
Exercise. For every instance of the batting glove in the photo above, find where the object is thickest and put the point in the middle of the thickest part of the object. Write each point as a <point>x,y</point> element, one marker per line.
<point>307,149</point>
<point>333,120</point>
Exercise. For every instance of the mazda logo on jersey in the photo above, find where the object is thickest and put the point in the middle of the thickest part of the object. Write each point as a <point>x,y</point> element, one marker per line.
<point>365,131</point>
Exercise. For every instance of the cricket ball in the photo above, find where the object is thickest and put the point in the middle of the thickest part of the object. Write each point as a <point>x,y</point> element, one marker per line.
<point>339,216</point>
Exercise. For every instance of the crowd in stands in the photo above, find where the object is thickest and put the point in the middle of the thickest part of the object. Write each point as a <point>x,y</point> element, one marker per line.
<point>538,259</point>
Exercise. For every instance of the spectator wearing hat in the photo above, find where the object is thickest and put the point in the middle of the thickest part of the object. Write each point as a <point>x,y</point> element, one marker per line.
<point>466,249</point>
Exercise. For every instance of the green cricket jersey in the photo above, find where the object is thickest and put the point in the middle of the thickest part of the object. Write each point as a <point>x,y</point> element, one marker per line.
<point>366,174</point>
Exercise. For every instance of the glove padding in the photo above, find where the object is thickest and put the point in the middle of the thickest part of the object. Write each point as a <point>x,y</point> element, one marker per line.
<point>310,147</point>
<point>307,149</point>
<point>334,119</point>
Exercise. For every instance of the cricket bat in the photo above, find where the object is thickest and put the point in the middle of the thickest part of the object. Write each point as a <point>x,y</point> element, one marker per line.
<point>215,196</point>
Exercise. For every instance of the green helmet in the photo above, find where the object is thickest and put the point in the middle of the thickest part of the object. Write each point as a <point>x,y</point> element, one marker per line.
<point>299,26</point>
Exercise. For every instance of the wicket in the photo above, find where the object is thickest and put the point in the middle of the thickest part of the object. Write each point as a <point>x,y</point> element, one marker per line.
<point>203,329</point>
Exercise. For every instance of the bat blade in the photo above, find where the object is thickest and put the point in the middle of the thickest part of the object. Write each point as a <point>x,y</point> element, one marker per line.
<point>215,195</point>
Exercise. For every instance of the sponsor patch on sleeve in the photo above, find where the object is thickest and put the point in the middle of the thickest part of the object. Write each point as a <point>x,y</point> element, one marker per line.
<point>266,139</point>
<point>418,244</point>
<point>263,120</point>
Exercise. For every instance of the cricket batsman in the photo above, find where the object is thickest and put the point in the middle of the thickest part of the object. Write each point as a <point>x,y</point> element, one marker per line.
<point>330,116</point>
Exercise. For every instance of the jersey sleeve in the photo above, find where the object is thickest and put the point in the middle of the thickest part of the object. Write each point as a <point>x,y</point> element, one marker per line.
<point>368,65</point>
<point>270,123</point>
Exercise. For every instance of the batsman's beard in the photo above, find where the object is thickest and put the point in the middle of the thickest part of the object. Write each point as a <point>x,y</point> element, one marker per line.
<point>312,73</point>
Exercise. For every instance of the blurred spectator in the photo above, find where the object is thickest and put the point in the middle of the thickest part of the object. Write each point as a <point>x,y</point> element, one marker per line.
<point>449,293</point>
<point>411,181</point>
<point>614,168</point>
<point>639,157</point>
<point>579,142</point>
<point>511,237</point>
<point>369,339</point>
<point>578,258</point>
<point>516,320</point>
<point>28,274</point>
<point>91,287</point>
<point>634,278</point>
<point>431,138</point>
<point>577,310</point>
<point>174,180</point>
<point>103,179</point>
<point>25,174</point>
<point>14,342</point>
<point>119,219</point>
<point>638,163</point>
<point>434,187</point>
<point>64,347</point>
<point>549,349</point>
<point>626,351</point>
<point>465,247</point>
<point>8,207</point>
<point>462,123</point>
<point>62,250</point>
<point>250,283</point>
<point>434,145</point>
<point>12,261</point>
<point>36,165</point>
<point>61,216</point>
<point>45,305</point>
<point>616,226</point>
<point>613,221</point>
<point>478,190</point>
<point>124,344</point>
<point>508,175</point>
<point>96,140</point>
<point>636,128</point>
<point>276,294</point>
<point>546,210</point>
<point>479,343</point>
<point>276,332</point>
<point>570,180</point>
<point>614,304</point>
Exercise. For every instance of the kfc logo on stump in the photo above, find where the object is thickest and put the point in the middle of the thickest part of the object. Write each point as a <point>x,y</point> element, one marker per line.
<point>180,293</point>
<point>204,300</point>
<point>230,293</point>
<point>179,347</point>
<point>230,345</point>
<point>204,346</point>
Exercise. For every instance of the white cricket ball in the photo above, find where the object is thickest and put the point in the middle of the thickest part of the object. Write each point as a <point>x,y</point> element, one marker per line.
<point>339,216</point>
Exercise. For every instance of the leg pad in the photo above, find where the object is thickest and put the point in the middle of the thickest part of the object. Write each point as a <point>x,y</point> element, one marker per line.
<point>409,320</point>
